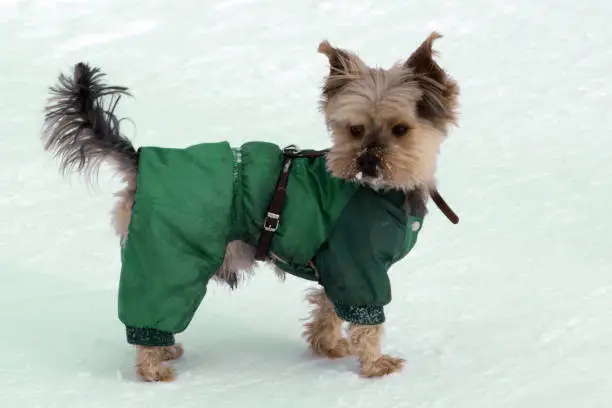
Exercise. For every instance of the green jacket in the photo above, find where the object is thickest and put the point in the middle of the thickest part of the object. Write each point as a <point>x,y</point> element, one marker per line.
<point>191,202</point>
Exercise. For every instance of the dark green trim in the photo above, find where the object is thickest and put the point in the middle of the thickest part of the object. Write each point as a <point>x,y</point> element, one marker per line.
<point>366,315</point>
<point>148,337</point>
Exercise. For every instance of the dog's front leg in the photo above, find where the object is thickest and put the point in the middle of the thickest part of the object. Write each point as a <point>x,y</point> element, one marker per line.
<point>151,362</point>
<point>365,344</point>
<point>324,331</point>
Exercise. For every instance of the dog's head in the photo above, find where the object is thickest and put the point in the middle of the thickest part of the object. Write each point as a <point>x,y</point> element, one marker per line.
<point>387,125</point>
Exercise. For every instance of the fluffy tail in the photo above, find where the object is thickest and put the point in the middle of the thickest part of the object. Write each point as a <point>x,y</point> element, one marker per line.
<point>81,131</point>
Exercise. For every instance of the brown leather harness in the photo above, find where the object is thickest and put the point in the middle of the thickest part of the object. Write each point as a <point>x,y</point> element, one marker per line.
<point>272,219</point>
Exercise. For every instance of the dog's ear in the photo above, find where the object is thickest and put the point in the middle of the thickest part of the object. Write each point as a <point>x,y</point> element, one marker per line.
<point>440,92</point>
<point>344,66</point>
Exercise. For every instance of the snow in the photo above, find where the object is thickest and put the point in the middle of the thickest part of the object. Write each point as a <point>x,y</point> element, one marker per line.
<point>510,308</point>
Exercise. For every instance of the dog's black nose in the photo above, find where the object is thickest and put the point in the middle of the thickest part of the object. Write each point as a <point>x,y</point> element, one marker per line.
<point>368,164</point>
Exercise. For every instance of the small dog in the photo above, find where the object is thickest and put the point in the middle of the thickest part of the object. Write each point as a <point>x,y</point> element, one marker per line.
<point>190,215</point>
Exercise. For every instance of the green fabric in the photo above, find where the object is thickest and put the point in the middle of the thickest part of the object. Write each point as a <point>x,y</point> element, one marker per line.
<point>191,202</point>
<point>372,234</point>
<point>177,234</point>
<point>310,190</point>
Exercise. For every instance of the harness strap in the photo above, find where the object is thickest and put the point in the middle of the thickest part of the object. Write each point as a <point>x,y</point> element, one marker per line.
<point>272,219</point>
<point>273,216</point>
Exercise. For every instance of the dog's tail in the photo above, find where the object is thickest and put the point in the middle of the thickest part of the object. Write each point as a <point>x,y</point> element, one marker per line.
<point>81,131</point>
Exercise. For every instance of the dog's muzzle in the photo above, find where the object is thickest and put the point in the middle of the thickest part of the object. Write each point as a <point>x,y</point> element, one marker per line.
<point>368,165</point>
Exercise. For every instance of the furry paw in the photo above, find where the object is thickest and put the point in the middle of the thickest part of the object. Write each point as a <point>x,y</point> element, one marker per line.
<point>384,365</point>
<point>156,372</point>
<point>341,349</point>
<point>172,352</point>
<point>324,342</point>
<point>152,365</point>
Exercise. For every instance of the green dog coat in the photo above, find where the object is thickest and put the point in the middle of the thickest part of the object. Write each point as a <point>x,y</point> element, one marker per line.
<point>190,203</point>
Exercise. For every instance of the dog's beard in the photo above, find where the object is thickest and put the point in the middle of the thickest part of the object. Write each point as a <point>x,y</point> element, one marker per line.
<point>376,183</point>
<point>402,166</point>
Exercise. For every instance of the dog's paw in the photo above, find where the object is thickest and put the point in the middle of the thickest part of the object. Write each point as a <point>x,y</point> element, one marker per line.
<point>339,351</point>
<point>384,365</point>
<point>172,352</point>
<point>156,372</point>
<point>326,346</point>
<point>152,362</point>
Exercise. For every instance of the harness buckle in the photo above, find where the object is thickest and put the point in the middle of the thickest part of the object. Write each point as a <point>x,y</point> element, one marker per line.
<point>291,149</point>
<point>271,222</point>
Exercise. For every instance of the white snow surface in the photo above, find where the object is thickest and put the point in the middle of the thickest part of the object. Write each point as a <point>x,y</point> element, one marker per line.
<point>510,308</point>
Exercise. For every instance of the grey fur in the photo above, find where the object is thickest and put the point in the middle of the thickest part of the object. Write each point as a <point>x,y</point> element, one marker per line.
<point>238,264</point>
<point>80,130</point>
<point>416,202</point>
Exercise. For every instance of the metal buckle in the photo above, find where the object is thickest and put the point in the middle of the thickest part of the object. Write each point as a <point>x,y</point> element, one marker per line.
<point>291,150</point>
<point>271,222</point>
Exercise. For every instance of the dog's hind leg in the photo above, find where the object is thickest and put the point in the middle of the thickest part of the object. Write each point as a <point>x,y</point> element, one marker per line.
<point>324,331</point>
<point>365,344</point>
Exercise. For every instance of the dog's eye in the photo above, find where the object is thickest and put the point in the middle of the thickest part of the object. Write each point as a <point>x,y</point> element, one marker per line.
<point>357,130</point>
<point>399,130</point>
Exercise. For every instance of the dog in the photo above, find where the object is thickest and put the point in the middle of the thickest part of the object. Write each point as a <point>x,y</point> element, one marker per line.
<point>357,206</point>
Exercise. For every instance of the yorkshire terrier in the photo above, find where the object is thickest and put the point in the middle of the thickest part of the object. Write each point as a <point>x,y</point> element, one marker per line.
<point>190,215</point>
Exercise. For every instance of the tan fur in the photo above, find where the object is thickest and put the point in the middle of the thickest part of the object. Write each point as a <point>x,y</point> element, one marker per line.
<point>238,263</point>
<point>407,162</point>
<point>365,344</point>
<point>324,331</point>
<point>416,93</point>
<point>122,213</point>
<point>239,256</point>
<point>151,362</point>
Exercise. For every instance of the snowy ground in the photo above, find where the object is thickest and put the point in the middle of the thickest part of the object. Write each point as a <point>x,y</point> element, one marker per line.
<point>511,308</point>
